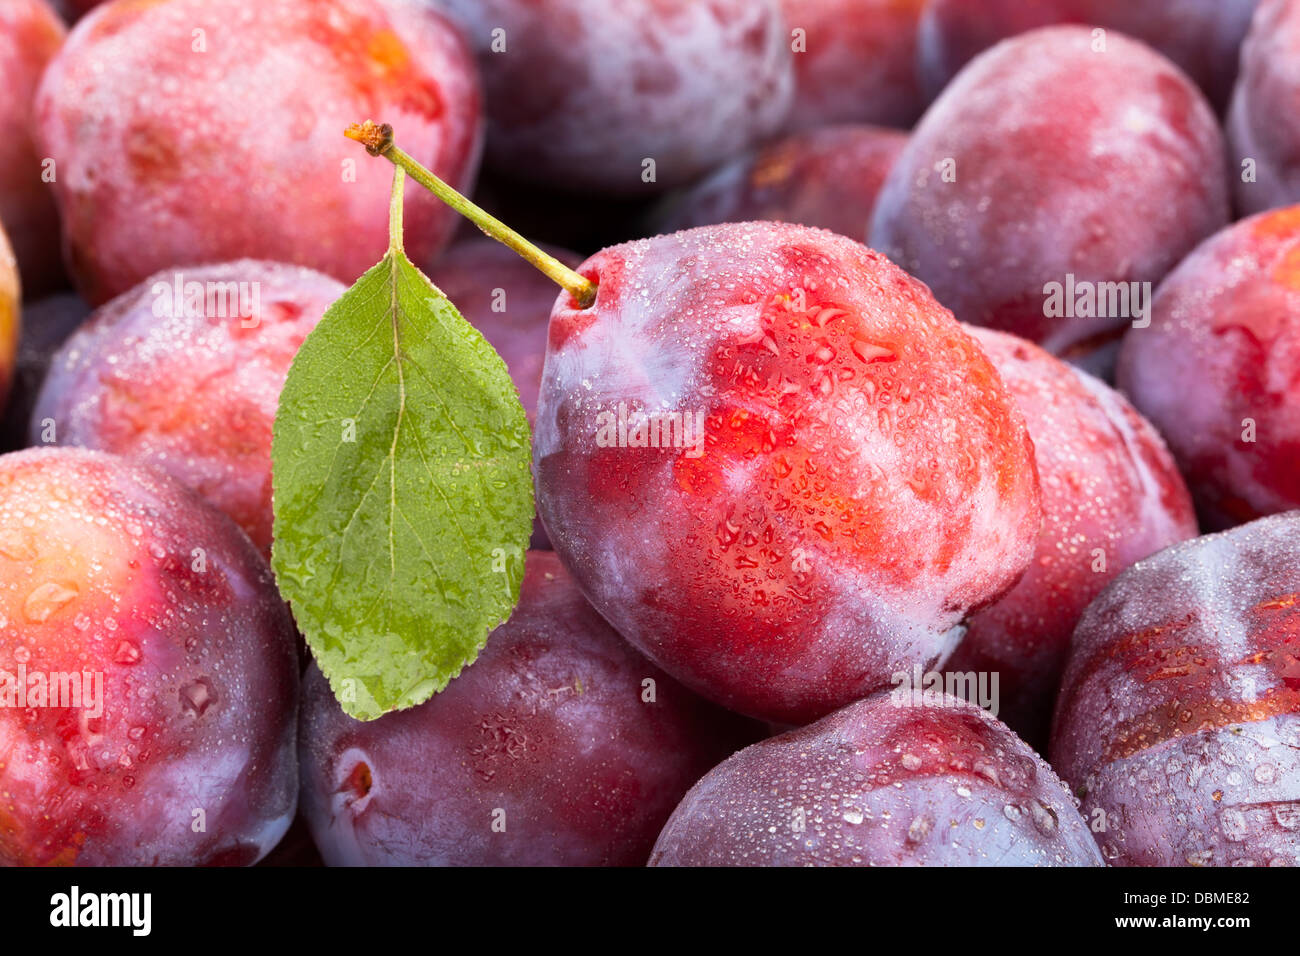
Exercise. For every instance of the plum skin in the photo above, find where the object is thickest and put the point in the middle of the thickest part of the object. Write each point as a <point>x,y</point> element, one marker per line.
<point>878,784</point>
<point>828,178</point>
<point>587,90</point>
<point>163,157</point>
<point>471,272</point>
<point>1202,36</point>
<point>1220,356</point>
<point>1051,181</point>
<point>549,727</point>
<point>864,481</point>
<point>1109,484</point>
<point>1178,721</point>
<point>74,9</point>
<point>1259,125</point>
<point>30,35</point>
<point>98,574</point>
<point>859,64</point>
<point>125,382</point>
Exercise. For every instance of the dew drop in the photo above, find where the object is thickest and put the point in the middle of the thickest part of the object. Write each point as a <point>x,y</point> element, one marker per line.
<point>868,353</point>
<point>1044,816</point>
<point>197,696</point>
<point>127,653</point>
<point>46,599</point>
<point>1287,815</point>
<point>1234,824</point>
<point>16,544</point>
<point>918,830</point>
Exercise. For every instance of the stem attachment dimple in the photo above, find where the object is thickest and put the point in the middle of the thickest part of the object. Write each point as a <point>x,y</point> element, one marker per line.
<point>378,141</point>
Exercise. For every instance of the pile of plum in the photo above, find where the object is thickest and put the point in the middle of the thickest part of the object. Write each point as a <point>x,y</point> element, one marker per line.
<point>976,314</point>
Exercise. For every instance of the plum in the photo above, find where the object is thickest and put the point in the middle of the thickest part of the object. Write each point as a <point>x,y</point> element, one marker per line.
<point>295,849</point>
<point>883,782</point>
<point>558,218</point>
<point>1202,36</point>
<point>10,297</point>
<point>856,62</point>
<point>560,745</point>
<point>149,675</point>
<point>30,34</point>
<point>510,302</point>
<point>506,299</point>
<point>1178,723</point>
<point>777,465</point>
<point>1262,130</point>
<point>582,93</point>
<point>1218,370</point>
<point>1052,183</point>
<point>828,178</point>
<point>46,324</point>
<point>180,140</point>
<point>75,9</point>
<point>1111,496</point>
<point>184,373</point>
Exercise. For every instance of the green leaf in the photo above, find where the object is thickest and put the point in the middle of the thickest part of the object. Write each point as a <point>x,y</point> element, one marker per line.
<point>403,500</point>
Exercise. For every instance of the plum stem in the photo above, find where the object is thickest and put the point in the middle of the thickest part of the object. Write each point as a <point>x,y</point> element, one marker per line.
<point>395,206</point>
<point>378,141</point>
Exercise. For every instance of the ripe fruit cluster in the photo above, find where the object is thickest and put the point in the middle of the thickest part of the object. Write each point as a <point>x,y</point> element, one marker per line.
<point>865,426</point>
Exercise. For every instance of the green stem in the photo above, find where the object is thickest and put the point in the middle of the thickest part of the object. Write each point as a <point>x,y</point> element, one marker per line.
<point>378,140</point>
<point>395,206</point>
